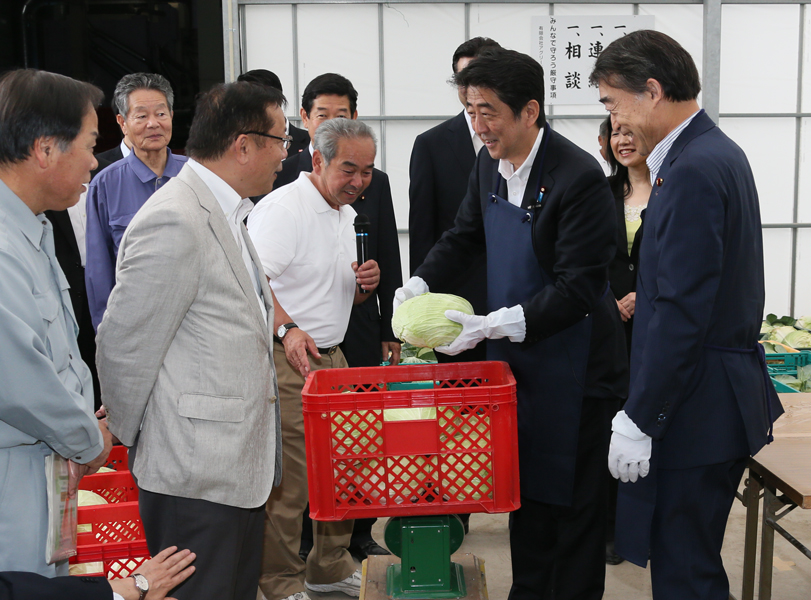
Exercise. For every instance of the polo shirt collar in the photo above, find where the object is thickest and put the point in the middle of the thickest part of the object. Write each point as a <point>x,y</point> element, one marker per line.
<point>145,174</point>
<point>311,194</point>
<point>30,224</point>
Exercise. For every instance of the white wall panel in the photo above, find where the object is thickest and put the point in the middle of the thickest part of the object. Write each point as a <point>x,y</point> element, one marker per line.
<point>341,38</point>
<point>400,136</point>
<point>508,24</point>
<point>419,41</point>
<point>804,213</point>
<point>806,91</point>
<point>769,145</point>
<point>777,262</point>
<point>272,52</point>
<point>582,132</point>
<point>759,53</point>
<point>802,296</point>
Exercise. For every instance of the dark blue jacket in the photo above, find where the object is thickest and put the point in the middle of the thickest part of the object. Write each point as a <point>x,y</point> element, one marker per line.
<point>697,387</point>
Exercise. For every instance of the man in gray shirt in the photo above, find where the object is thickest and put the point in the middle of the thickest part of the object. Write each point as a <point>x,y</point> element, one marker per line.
<point>48,128</point>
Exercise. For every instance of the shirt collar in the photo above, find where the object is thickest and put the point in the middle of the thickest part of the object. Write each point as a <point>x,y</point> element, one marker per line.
<point>145,174</point>
<point>125,151</point>
<point>32,226</point>
<point>311,194</point>
<point>505,167</point>
<point>231,203</point>
<point>660,151</point>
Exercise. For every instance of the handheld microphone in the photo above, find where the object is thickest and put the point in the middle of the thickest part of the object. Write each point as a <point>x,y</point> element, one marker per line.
<point>362,242</point>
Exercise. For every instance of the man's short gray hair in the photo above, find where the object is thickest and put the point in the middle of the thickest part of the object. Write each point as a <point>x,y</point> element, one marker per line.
<point>331,132</point>
<point>140,81</point>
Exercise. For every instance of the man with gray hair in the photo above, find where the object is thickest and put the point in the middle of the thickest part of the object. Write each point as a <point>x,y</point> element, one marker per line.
<point>48,128</point>
<point>304,238</point>
<point>144,103</point>
<point>700,401</point>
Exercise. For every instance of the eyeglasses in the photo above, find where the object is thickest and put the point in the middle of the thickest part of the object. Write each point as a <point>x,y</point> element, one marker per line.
<point>286,140</point>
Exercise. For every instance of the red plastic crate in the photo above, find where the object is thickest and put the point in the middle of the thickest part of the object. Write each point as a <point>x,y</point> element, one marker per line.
<point>113,487</point>
<point>362,465</point>
<point>118,459</point>
<point>116,539</point>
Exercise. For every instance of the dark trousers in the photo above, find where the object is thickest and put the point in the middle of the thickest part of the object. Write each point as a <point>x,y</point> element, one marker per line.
<point>226,539</point>
<point>558,552</point>
<point>692,509</point>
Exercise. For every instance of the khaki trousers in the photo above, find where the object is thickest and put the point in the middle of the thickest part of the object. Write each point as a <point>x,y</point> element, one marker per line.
<point>283,571</point>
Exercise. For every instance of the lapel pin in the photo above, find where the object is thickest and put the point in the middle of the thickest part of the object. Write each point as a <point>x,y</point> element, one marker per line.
<point>659,181</point>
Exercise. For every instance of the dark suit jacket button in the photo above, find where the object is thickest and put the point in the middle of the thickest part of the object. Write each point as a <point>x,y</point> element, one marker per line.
<point>630,267</point>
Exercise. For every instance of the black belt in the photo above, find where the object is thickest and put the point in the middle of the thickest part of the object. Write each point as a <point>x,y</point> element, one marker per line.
<point>328,351</point>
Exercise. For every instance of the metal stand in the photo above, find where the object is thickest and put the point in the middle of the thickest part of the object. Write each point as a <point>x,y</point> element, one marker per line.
<point>425,545</point>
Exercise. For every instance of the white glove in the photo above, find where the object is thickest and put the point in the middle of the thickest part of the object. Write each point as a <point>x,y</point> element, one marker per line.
<point>629,452</point>
<point>415,286</point>
<point>505,322</point>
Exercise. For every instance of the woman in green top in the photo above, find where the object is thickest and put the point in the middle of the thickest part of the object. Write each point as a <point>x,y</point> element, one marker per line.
<point>630,183</point>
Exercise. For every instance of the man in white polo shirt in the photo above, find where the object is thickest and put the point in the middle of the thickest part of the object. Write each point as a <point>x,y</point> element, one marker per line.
<point>304,236</point>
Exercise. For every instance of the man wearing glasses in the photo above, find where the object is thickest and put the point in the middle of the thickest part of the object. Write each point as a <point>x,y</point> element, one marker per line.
<point>303,233</point>
<point>184,349</point>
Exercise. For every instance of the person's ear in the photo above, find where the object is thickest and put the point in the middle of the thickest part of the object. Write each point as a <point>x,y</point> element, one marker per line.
<point>242,149</point>
<point>533,110</point>
<point>654,90</point>
<point>44,151</point>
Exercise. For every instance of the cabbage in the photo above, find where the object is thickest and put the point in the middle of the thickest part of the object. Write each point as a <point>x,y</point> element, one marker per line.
<point>799,338</point>
<point>765,330</point>
<point>421,321</point>
<point>803,323</point>
<point>779,333</point>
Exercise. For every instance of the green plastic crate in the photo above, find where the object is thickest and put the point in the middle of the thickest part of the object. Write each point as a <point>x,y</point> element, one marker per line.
<point>786,362</point>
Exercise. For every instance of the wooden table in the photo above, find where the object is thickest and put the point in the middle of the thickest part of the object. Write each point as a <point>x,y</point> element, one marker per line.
<point>783,465</point>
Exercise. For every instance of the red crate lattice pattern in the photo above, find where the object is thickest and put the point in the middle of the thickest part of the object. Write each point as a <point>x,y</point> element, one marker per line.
<point>461,471</point>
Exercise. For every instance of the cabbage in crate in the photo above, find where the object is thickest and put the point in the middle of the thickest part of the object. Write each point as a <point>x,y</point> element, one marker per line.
<point>421,321</point>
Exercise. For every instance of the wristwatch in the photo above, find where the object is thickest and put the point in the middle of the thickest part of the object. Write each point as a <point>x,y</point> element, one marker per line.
<point>141,584</point>
<point>283,329</point>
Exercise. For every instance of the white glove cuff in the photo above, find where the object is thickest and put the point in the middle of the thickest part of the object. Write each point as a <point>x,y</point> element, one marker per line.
<point>507,322</point>
<point>623,425</point>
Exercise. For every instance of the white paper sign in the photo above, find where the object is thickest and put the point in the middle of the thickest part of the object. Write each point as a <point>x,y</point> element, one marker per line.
<point>567,47</point>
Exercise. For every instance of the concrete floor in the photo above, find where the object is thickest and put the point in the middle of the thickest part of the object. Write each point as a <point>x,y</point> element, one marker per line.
<point>488,539</point>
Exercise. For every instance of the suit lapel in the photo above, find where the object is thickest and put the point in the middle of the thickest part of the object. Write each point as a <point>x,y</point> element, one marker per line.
<point>700,124</point>
<point>222,231</point>
<point>305,161</point>
<point>460,142</point>
<point>550,163</point>
<point>60,219</point>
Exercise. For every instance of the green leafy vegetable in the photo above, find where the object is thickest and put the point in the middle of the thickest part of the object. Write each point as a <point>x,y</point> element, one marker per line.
<point>421,320</point>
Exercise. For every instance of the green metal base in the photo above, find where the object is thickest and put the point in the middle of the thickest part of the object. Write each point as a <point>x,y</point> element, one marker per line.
<point>394,585</point>
<point>424,545</point>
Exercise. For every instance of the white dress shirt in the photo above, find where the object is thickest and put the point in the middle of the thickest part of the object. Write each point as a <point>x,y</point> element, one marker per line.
<point>235,209</point>
<point>78,220</point>
<point>125,150</point>
<point>517,178</point>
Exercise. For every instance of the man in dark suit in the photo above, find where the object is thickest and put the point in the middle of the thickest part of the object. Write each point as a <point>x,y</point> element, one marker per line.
<point>441,161</point>
<point>539,210</point>
<point>699,400</point>
<point>300,138</point>
<point>369,338</point>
